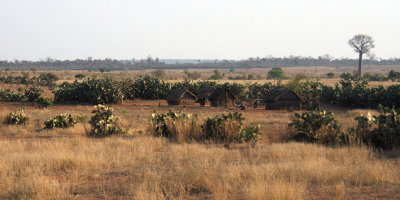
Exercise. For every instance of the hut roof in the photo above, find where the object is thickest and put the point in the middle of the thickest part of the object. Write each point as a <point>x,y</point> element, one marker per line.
<point>274,95</point>
<point>176,95</point>
<point>205,92</point>
<point>217,92</point>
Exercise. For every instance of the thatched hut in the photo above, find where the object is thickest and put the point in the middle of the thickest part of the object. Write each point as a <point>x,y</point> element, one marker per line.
<point>181,97</point>
<point>222,97</point>
<point>282,99</point>
<point>204,94</point>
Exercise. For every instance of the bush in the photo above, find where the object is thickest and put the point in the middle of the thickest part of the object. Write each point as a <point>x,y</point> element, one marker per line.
<point>17,117</point>
<point>159,73</point>
<point>177,126</point>
<point>381,131</point>
<point>250,133</point>
<point>224,129</point>
<point>330,75</point>
<point>60,121</point>
<point>33,93</point>
<point>91,91</point>
<point>317,126</point>
<point>103,123</point>
<point>181,127</point>
<point>48,78</point>
<point>276,73</point>
<point>43,102</point>
<point>216,76</point>
<point>80,76</point>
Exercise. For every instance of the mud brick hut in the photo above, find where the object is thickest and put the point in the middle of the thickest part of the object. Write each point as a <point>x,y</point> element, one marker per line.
<point>204,94</point>
<point>181,97</point>
<point>282,99</point>
<point>222,97</point>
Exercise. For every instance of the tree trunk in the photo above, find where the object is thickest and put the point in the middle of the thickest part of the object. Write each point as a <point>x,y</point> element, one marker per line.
<point>360,64</point>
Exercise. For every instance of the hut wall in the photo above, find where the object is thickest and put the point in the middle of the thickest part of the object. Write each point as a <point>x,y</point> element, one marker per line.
<point>283,105</point>
<point>222,101</point>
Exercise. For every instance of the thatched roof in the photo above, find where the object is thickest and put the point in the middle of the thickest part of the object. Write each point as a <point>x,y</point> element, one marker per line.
<point>217,92</point>
<point>176,95</point>
<point>274,95</point>
<point>205,92</point>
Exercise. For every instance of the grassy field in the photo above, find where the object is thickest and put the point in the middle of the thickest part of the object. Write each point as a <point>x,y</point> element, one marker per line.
<point>65,164</point>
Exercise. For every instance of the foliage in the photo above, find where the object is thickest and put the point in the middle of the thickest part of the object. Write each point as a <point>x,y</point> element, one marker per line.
<point>90,91</point>
<point>308,91</point>
<point>33,93</point>
<point>11,96</point>
<point>104,69</point>
<point>43,102</point>
<point>393,75</point>
<point>182,127</point>
<point>17,117</point>
<point>60,121</point>
<point>146,87</point>
<point>381,131</point>
<point>171,125</point>
<point>250,133</point>
<point>80,76</point>
<point>159,73</point>
<point>224,128</point>
<point>48,78</point>
<point>317,126</point>
<point>330,75</point>
<point>103,122</point>
<point>216,76</point>
<point>191,75</point>
<point>257,91</point>
<point>276,73</point>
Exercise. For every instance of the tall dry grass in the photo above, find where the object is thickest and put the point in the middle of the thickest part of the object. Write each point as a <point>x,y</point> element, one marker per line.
<point>153,168</point>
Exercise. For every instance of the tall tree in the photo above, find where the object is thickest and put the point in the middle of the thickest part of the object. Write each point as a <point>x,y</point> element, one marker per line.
<point>361,44</point>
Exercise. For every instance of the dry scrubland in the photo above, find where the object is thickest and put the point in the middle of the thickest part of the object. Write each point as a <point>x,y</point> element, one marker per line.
<point>65,164</point>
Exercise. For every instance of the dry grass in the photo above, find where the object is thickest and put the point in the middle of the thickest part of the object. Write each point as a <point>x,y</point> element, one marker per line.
<point>153,168</point>
<point>64,164</point>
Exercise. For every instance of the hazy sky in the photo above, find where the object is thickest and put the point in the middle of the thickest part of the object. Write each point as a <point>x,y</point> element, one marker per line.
<point>199,29</point>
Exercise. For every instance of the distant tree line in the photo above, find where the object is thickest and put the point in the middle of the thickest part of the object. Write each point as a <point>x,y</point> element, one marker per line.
<point>155,63</point>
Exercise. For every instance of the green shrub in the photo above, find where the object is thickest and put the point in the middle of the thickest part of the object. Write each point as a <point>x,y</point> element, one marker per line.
<point>381,131</point>
<point>224,128</point>
<point>250,133</point>
<point>330,75</point>
<point>43,102</point>
<point>80,76</point>
<point>48,78</point>
<point>276,73</point>
<point>317,126</point>
<point>181,127</point>
<point>17,117</point>
<point>177,126</point>
<point>90,91</point>
<point>216,76</point>
<point>103,123</point>
<point>60,121</point>
<point>33,93</point>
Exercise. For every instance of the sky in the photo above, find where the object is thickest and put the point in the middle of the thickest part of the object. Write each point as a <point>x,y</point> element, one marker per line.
<point>194,29</point>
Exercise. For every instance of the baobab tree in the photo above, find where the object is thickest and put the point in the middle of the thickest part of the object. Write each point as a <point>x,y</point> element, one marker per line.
<point>361,44</point>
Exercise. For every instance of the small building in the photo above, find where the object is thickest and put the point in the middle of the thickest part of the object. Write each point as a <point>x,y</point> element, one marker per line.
<point>181,97</point>
<point>204,94</point>
<point>282,99</point>
<point>222,97</point>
